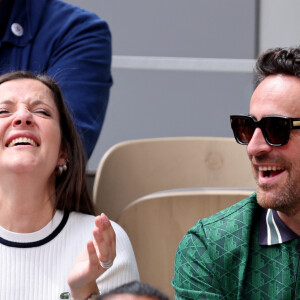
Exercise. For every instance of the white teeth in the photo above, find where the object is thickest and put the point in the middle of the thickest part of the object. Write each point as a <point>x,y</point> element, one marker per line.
<point>269,168</point>
<point>22,140</point>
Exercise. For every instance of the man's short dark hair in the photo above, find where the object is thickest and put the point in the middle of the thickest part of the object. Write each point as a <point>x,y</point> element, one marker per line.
<point>284,61</point>
<point>135,288</point>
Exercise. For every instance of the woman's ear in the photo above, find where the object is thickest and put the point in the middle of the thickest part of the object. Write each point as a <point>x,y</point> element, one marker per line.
<point>62,156</point>
<point>62,162</point>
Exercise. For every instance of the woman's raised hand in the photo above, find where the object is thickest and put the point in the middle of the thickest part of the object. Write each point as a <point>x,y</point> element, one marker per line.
<point>94,260</point>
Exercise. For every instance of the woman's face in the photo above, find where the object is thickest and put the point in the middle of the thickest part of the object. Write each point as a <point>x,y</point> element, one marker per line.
<point>30,136</point>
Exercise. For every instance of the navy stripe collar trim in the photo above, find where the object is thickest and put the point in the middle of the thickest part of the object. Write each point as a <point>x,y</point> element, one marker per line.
<point>272,231</point>
<point>39,243</point>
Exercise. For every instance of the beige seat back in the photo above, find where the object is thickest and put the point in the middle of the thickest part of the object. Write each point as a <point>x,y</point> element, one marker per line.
<point>156,223</point>
<point>132,169</point>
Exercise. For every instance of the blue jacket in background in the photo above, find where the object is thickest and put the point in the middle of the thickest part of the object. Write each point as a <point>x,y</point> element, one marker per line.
<point>71,45</point>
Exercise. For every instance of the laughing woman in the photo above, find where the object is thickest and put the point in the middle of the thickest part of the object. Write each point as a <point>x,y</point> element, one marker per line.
<point>51,245</point>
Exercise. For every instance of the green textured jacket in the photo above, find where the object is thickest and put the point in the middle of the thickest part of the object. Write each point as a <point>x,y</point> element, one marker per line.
<point>220,258</point>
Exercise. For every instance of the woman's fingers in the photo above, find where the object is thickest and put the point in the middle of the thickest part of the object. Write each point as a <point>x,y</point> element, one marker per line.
<point>92,253</point>
<point>94,260</point>
<point>105,240</point>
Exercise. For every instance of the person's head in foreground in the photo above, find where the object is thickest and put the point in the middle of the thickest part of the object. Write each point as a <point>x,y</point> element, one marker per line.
<point>251,249</point>
<point>135,290</point>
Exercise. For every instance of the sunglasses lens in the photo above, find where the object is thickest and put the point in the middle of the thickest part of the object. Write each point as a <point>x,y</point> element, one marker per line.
<point>277,130</point>
<point>243,128</point>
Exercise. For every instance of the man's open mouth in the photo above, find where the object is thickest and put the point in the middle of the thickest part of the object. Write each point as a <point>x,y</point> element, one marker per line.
<point>270,171</point>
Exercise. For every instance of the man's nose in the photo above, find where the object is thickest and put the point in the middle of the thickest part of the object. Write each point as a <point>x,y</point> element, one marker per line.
<point>258,144</point>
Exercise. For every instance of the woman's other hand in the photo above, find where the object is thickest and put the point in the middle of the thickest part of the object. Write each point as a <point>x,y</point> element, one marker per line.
<point>94,260</point>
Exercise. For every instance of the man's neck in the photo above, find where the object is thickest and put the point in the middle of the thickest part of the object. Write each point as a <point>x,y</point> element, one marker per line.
<point>5,11</point>
<point>293,222</point>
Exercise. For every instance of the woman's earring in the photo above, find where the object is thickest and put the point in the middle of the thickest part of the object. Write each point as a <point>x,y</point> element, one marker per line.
<point>62,168</point>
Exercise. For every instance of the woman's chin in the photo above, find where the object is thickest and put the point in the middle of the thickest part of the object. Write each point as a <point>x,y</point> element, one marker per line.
<point>21,166</point>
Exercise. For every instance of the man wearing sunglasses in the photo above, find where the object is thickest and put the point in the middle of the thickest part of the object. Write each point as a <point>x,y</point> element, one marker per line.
<point>252,249</point>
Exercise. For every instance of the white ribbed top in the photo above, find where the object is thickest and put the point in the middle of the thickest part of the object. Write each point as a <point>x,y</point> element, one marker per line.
<point>35,266</point>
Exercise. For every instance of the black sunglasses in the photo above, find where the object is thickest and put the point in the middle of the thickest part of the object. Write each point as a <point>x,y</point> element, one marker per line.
<point>276,130</point>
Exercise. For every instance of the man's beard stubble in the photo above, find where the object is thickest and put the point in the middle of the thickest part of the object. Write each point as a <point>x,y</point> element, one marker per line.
<point>285,199</point>
<point>287,202</point>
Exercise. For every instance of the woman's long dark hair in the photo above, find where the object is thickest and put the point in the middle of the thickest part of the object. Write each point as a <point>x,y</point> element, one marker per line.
<point>71,187</point>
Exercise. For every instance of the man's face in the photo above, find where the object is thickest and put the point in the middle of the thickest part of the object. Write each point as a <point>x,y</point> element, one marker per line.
<point>276,169</point>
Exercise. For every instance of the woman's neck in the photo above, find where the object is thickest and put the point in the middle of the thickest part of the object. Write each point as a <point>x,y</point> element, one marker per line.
<point>26,205</point>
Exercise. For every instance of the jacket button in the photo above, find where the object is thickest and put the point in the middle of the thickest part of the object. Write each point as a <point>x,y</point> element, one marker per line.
<point>17,29</point>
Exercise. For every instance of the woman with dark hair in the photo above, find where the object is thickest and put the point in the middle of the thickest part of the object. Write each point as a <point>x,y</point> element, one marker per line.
<point>46,214</point>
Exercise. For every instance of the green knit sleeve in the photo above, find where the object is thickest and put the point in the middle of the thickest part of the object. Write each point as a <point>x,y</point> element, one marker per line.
<point>194,276</point>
